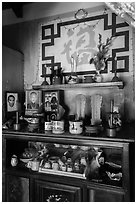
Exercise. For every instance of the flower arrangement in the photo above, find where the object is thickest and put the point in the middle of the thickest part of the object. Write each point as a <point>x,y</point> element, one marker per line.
<point>102,54</point>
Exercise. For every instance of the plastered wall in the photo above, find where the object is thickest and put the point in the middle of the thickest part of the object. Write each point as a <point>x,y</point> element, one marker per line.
<point>25,37</point>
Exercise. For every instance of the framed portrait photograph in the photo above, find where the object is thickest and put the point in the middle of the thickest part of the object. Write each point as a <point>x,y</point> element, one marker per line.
<point>32,101</point>
<point>51,101</point>
<point>12,101</point>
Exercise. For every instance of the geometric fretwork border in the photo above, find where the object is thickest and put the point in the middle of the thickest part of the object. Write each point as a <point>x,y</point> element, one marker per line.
<point>52,36</point>
<point>51,63</point>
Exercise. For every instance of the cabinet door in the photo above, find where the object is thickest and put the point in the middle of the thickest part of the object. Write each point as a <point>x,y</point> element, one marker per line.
<point>54,192</point>
<point>105,196</point>
<point>17,189</point>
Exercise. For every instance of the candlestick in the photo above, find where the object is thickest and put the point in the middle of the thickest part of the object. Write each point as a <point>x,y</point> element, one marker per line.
<point>111,106</point>
<point>115,60</point>
<point>17,117</point>
<point>72,64</point>
<point>115,78</point>
<point>111,113</point>
<point>16,126</point>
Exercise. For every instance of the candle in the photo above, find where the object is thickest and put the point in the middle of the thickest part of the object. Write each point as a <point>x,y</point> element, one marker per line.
<point>115,63</point>
<point>17,114</point>
<point>72,64</point>
<point>111,113</point>
<point>111,106</point>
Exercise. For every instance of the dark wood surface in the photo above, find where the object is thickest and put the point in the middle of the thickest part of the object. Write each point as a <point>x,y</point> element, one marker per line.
<point>126,134</point>
<point>82,189</point>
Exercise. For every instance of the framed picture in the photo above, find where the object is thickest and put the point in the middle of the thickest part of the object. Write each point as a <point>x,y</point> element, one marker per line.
<point>70,43</point>
<point>51,101</point>
<point>12,101</point>
<point>51,104</point>
<point>32,101</point>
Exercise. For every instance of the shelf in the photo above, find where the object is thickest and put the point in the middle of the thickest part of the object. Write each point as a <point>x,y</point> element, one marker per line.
<point>62,173</point>
<point>121,136</point>
<point>118,84</point>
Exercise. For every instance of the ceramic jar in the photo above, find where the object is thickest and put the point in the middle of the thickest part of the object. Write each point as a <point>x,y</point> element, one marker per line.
<point>48,126</point>
<point>75,127</point>
<point>58,126</point>
<point>14,160</point>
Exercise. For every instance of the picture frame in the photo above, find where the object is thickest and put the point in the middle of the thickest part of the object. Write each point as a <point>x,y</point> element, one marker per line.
<point>61,40</point>
<point>51,101</point>
<point>12,101</point>
<point>32,101</point>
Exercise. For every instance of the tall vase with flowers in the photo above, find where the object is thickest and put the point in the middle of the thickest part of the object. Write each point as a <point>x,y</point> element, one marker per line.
<point>100,57</point>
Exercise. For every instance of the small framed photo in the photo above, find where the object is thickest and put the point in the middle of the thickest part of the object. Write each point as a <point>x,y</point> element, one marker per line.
<point>51,101</point>
<point>32,101</point>
<point>12,101</point>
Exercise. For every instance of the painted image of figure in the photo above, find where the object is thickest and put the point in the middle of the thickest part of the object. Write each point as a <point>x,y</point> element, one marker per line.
<point>33,98</point>
<point>54,103</point>
<point>11,102</point>
<point>47,104</point>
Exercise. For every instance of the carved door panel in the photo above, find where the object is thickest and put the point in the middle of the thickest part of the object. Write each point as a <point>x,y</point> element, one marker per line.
<point>17,189</point>
<point>105,196</point>
<point>54,192</point>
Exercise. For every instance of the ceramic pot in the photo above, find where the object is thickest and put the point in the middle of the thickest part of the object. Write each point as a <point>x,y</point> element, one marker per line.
<point>14,160</point>
<point>73,79</point>
<point>111,132</point>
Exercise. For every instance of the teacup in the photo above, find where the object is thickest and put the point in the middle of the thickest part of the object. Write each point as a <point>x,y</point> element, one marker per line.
<point>33,165</point>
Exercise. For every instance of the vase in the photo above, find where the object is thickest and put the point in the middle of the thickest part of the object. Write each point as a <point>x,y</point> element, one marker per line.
<point>98,77</point>
<point>73,78</point>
